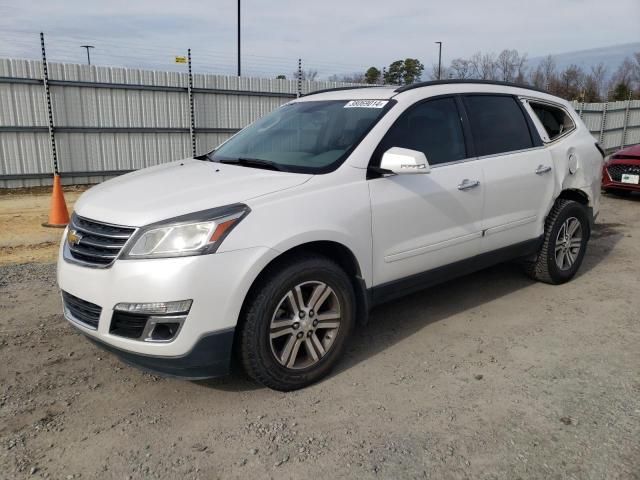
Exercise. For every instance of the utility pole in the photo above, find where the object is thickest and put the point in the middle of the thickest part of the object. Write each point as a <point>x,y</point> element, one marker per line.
<point>239,38</point>
<point>47,94</point>
<point>88,56</point>
<point>439,60</point>
<point>299,78</point>
<point>192,118</point>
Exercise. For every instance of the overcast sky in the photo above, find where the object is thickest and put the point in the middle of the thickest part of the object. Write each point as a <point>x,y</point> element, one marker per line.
<point>331,36</point>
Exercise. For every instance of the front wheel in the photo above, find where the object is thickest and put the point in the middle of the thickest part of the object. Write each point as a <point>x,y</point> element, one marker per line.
<point>566,234</point>
<point>296,323</point>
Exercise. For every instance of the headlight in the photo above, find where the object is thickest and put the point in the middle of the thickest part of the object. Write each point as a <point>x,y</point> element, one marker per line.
<point>194,234</point>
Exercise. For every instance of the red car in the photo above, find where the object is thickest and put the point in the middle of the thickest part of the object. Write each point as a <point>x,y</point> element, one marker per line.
<point>621,173</point>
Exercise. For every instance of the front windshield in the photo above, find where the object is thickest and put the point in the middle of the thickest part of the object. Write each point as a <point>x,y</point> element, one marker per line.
<point>312,137</point>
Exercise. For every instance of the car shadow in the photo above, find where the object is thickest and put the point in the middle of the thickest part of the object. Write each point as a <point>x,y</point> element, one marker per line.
<point>392,322</point>
<point>631,197</point>
<point>604,238</point>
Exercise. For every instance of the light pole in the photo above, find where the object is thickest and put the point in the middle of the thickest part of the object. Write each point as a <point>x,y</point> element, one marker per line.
<point>88,56</point>
<point>238,37</point>
<point>439,60</point>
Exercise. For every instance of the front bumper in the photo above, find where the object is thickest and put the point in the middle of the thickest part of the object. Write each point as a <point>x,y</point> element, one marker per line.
<point>217,284</point>
<point>210,357</point>
<point>608,182</point>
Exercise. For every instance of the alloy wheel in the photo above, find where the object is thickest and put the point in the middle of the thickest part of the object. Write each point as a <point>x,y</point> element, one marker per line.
<point>568,243</point>
<point>305,325</point>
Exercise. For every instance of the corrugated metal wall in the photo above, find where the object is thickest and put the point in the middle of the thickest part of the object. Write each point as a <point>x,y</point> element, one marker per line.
<point>110,119</point>
<point>610,122</point>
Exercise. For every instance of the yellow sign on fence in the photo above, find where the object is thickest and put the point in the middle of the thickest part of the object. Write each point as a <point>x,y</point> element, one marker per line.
<point>181,59</point>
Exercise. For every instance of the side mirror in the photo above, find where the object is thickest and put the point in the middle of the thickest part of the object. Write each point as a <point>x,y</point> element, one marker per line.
<point>404,161</point>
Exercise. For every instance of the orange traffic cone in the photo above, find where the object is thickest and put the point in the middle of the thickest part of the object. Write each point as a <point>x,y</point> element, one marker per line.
<point>58,213</point>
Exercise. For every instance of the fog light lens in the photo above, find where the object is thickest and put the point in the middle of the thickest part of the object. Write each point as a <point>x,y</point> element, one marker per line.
<point>164,331</point>
<point>156,308</point>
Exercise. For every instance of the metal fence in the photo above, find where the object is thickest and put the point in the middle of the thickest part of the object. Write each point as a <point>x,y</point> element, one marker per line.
<point>613,124</point>
<point>110,120</point>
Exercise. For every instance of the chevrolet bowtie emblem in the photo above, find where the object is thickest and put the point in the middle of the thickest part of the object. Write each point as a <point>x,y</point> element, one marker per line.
<point>73,237</point>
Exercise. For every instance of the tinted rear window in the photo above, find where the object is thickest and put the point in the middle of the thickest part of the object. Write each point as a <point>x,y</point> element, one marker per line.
<point>497,123</point>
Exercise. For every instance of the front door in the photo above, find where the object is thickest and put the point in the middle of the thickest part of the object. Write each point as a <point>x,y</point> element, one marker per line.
<point>424,221</point>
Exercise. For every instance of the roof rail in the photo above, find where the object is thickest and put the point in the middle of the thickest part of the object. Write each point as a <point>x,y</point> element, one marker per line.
<point>411,86</point>
<point>337,89</point>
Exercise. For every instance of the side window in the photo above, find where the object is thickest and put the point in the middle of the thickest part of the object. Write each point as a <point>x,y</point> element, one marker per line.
<point>433,127</point>
<point>554,120</point>
<point>497,123</point>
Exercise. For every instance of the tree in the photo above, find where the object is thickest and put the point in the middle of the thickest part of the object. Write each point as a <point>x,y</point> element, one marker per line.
<point>394,73</point>
<point>537,78</point>
<point>404,72</point>
<point>621,92</point>
<point>590,90</point>
<point>484,66</point>
<point>281,77</point>
<point>599,76</point>
<point>509,64</point>
<point>443,72</point>
<point>413,69</point>
<point>521,75</point>
<point>570,83</point>
<point>625,72</point>
<point>548,69</point>
<point>372,76</point>
<point>636,72</point>
<point>461,68</point>
<point>623,79</point>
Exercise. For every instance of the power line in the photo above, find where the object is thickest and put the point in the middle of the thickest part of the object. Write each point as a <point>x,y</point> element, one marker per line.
<point>112,52</point>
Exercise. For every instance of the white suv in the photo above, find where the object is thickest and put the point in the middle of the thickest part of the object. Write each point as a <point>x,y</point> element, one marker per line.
<point>270,248</point>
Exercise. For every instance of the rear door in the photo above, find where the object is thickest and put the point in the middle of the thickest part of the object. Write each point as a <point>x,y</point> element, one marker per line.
<point>423,221</point>
<point>518,176</point>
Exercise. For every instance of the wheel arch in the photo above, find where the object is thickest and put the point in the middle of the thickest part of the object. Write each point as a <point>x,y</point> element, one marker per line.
<point>579,196</point>
<point>330,249</point>
<point>576,195</point>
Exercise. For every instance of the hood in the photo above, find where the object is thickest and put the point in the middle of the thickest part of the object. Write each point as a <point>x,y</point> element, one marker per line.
<point>632,152</point>
<point>177,188</point>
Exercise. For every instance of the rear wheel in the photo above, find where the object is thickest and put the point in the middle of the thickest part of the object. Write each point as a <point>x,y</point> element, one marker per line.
<point>565,243</point>
<point>296,323</point>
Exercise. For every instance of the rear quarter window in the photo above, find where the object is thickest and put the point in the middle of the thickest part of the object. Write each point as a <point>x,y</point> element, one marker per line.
<point>498,124</point>
<point>555,120</point>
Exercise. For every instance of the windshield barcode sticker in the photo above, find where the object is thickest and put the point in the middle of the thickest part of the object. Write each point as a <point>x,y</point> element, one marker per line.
<point>366,104</point>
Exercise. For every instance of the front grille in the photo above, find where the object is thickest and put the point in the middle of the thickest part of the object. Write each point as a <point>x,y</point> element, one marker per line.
<point>98,243</point>
<point>616,171</point>
<point>81,310</point>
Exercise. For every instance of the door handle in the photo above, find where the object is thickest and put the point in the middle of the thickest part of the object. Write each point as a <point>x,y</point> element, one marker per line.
<point>542,169</point>
<point>468,184</point>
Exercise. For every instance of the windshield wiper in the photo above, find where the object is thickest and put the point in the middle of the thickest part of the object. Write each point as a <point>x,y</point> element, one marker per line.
<point>254,162</point>
<point>204,156</point>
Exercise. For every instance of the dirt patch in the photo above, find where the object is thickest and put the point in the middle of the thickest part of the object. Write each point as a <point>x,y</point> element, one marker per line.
<point>22,213</point>
<point>489,376</point>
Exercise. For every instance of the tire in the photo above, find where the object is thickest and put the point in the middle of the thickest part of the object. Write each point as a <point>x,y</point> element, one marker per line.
<point>273,309</point>
<point>567,215</point>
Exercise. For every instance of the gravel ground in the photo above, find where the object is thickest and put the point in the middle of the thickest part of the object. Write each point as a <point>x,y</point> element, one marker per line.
<point>489,376</point>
